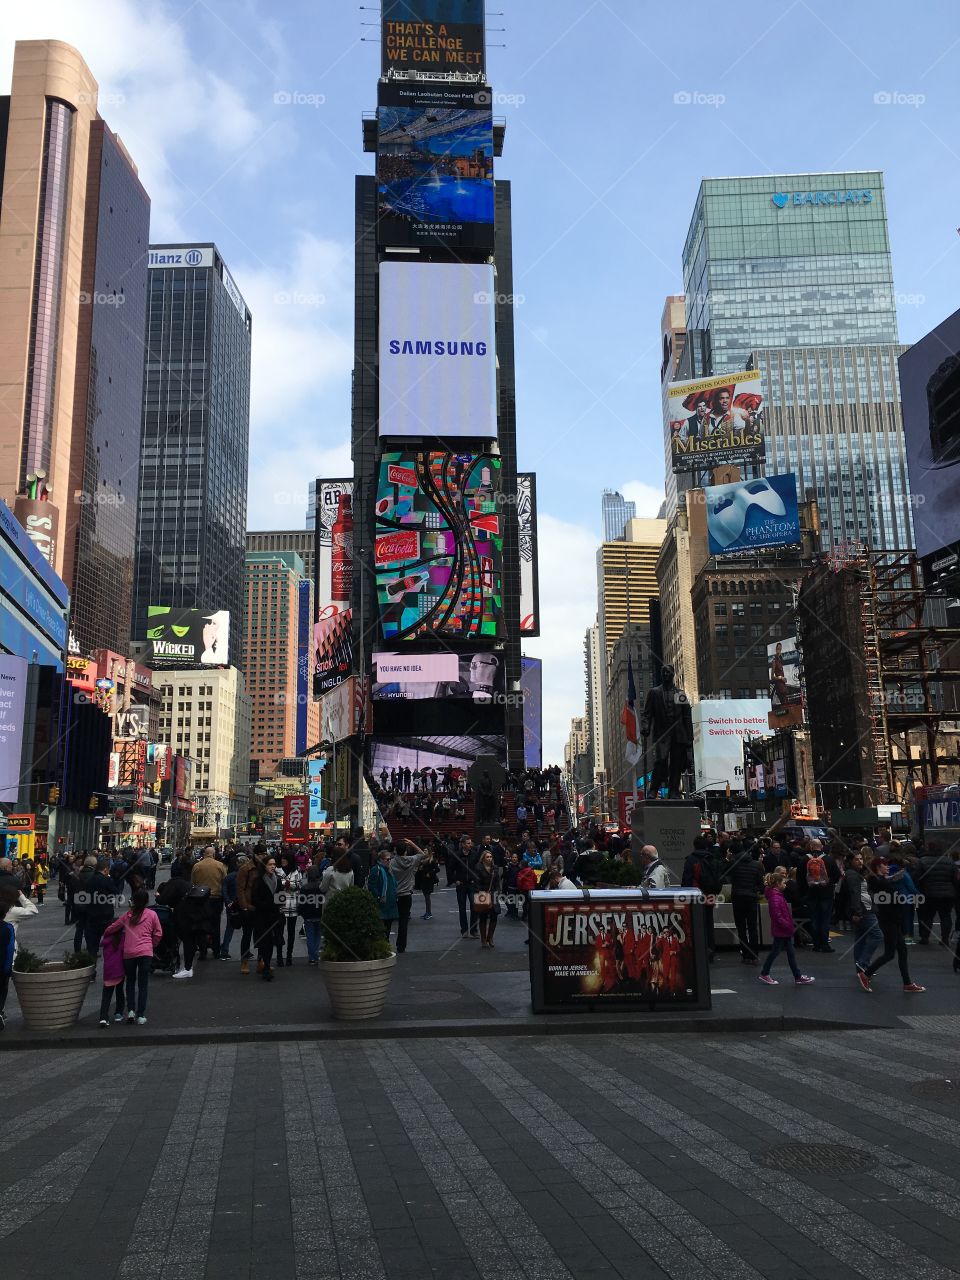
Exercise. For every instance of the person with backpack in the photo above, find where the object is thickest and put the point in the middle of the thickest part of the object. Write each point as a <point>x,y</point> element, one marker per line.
<point>744,874</point>
<point>702,871</point>
<point>782,928</point>
<point>821,878</point>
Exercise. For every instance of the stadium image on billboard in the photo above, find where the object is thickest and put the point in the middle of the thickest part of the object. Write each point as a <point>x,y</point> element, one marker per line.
<point>413,752</point>
<point>438,548</point>
<point>432,35</point>
<point>713,421</point>
<point>751,514</point>
<point>187,637</point>
<point>437,356</point>
<point>434,166</point>
<point>478,677</point>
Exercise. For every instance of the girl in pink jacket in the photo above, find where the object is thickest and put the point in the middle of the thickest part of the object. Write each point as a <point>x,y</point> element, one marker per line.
<point>141,933</point>
<point>782,928</point>
<point>111,948</point>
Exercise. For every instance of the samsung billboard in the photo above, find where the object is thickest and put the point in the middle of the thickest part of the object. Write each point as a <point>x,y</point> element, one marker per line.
<point>438,375</point>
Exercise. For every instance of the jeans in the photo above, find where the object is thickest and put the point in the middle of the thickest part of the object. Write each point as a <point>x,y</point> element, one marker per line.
<point>246,935</point>
<point>105,998</point>
<point>894,945</point>
<point>867,938</point>
<point>821,909</point>
<point>314,931</point>
<point>288,927</point>
<point>465,895</point>
<point>228,933</point>
<point>746,916</point>
<point>782,944</point>
<point>404,904</point>
<point>79,925</point>
<point>138,976</point>
<point>426,902</point>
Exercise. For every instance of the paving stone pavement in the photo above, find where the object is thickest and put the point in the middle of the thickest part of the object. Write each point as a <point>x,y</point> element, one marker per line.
<point>692,1157</point>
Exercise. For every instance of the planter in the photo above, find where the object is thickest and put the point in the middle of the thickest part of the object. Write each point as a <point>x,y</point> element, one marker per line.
<point>357,988</point>
<point>51,1000</point>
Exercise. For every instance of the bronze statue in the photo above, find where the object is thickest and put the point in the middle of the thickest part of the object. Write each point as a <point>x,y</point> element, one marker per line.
<point>668,720</point>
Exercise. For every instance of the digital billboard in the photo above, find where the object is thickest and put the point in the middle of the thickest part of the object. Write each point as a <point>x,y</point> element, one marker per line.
<point>531,682</point>
<point>477,676</point>
<point>13,694</point>
<point>187,637</point>
<point>529,568</point>
<point>749,515</point>
<point>929,391</point>
<point>437,357</point>
<point>133,721</point>
<point>713,421</point>
<point>304,628</point>
<point>316,811</point>
<point>438,546</point>
<point>719,728</point>
<point>427,752</point>
<point>333,634</point>
<point>786,689</point>
<point>338,712</point>
<point>432,35</point>
<point>434,165</point>
<point>332,651</point>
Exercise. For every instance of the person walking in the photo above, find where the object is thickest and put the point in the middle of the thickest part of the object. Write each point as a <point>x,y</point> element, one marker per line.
<point>141,933</point>
<point>266,916</point>
<point>486,887</point>
<point>782,928</point>
<point>210,874</point>
<point>192,919</point>
<point>744,874</point>
<point>867,935</point>
<point>821,875</point>
<point>290,882</point>
<point>111,949</point>
<point>247,874</point>
<point>428,873</point>
<point>935,881</point>
<point>382,883</point>
<point>41,875</point>
<point>310,902</point>
<point>886,889</point>
<point>233,917</point>
<point>463,860</point>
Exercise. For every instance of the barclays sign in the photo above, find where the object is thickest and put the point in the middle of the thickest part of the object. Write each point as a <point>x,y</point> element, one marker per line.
<point>782,198</point>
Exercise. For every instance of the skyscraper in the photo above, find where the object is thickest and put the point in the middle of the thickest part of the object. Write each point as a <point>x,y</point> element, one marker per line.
<point>73,244</point>
<point>616,512</point>
<point>196,424</point>
<point>792,273</point>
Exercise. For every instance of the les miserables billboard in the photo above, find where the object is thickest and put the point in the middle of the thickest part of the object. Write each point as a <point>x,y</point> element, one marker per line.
<point>620,947</point>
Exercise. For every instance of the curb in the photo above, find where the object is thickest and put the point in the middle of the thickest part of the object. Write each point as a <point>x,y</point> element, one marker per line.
<point>552,1025</point>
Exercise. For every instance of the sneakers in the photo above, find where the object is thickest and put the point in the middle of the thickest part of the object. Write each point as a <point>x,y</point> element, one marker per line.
<point>225,957</point>
<point>183,973</point>
<point>427,916</point>
<point>118,1017</point>
<point>104,1022</point>
<point>131,1016</point>
<point>767,980</point>
<point>914,988</point>
<point>141,1021</point>
<point>864,979</point>
<point>804,980</point>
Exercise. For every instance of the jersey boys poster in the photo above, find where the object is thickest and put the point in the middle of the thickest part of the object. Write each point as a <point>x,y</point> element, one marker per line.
<point>618,947</point>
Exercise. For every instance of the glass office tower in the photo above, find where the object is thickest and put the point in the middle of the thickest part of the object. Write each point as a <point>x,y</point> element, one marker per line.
<point>196,428</point>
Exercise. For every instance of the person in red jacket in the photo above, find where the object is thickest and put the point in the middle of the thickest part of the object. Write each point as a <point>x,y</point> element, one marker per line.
<point>782,928</point>
<point>141,933</point>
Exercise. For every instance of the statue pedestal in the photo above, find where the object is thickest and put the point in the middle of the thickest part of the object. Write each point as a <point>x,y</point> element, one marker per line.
<point>671,826</point>
<point>493,829</point>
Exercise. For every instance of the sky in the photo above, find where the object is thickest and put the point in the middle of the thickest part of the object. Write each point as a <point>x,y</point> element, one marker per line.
<point>244,119</point>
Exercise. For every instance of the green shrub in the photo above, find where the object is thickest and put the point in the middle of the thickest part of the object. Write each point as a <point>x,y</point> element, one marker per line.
<point>78,960</point>
<point>623,874</point>
<point>26,961</point>
<point>352,927</point>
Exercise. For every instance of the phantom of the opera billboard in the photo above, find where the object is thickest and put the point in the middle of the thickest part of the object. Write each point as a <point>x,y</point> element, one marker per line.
<point>623,948</point>
<point>714,421</point>
<point>437,361</point>
<point>434,165</point>
<point>438,547</point>
<point>749,515</point>
<point>432,35</point>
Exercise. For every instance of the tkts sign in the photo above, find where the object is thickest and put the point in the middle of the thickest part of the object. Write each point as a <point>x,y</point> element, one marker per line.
<point>296,821</point>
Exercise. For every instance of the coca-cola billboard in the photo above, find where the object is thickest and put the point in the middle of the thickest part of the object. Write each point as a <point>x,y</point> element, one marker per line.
<point>296,821</point>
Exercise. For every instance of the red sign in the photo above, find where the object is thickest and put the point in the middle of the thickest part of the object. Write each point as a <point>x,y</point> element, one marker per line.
<point>21,821</point>
<point>625,804</point>
<point>393,547</point>
<point>401,475</point>
<point>296,819</point>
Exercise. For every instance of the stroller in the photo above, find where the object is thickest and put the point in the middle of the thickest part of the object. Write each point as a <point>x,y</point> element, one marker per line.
<point>166,958</point>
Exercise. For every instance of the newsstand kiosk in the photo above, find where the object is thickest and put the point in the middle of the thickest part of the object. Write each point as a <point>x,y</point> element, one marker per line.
<point>618,948</point>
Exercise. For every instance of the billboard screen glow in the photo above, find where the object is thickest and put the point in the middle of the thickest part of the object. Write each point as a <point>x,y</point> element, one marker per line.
<point>432,35</point>
<point>719,728</point>
<point>477,676</point>
<point>437,358</point>
<point>13,694</point>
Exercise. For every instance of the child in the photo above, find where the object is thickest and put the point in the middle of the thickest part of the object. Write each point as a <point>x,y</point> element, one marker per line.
<point>111,948</point>
<point>782,928</point>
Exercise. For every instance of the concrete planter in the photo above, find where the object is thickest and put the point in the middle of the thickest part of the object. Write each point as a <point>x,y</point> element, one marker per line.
<point>357,988</point>
<point>51,1000</point>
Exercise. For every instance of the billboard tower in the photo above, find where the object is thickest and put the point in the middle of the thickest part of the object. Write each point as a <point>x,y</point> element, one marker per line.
<point>436,554</point>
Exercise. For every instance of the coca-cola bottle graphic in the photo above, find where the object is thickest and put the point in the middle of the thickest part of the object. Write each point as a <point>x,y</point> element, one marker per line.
<point>342,552</point>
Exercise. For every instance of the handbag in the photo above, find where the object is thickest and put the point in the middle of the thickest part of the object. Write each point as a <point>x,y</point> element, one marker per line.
<point>482,902</point>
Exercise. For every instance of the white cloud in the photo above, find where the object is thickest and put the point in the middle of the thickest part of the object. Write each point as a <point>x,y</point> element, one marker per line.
<point>647,497</point>
<point>568,605</point>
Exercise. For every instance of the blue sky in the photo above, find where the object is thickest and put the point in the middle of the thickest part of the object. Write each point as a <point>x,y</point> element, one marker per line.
<point>605,162</point>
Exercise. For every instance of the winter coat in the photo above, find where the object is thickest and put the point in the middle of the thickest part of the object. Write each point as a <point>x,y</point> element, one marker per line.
<point>781,917</point>
<point>140,936</point>
<point>111,948</point>
<point>382,883</point>
<point>744,875</point>
<point>936,876</point>
<point>311,897</point>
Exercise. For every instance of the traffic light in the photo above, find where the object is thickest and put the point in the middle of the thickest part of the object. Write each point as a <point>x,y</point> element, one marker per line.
<point>53,795</point>
<point>94,802</point>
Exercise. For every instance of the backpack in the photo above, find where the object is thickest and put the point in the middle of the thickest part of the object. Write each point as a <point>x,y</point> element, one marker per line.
<point>817,875</point>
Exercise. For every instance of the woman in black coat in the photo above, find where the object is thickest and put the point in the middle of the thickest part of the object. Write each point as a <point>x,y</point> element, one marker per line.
<point>266,915</point>
<point>486,879</point>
